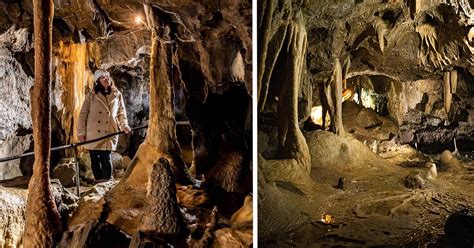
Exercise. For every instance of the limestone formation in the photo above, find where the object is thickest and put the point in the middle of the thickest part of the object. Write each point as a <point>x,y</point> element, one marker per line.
<point>43,226</point>
<point>448,95</point>
<point>406,74</point>
<point>449,160</point>
<point>15,85</point>
<point>162,218</point>
<point>12,207</point>
<point>336,95</point>
<point>65,171</point>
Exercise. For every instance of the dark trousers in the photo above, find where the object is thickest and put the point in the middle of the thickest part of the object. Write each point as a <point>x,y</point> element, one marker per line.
<point>101,164</point>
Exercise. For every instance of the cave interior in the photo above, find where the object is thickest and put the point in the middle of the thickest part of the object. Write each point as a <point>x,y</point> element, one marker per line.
<point>365,123</point>
<point>184,69</point>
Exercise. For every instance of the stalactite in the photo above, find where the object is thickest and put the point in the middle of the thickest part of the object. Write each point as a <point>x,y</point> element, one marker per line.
<point>327,103</point>
<point>453,80</point>
<point>263,42</point>
<point>381,27</point>
<point>470,35</point>
<point>43,225</point>
<point>161,135</point>
<point>74,76</point>
<point>237,70</point>
<point>440,54</point>
<point>447,91</point>
<point>272,55</point>
<point>291,142</point>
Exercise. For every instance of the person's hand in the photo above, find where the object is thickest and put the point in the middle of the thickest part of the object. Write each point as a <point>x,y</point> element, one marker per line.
<point>127,130</point>
<point>81,138</point>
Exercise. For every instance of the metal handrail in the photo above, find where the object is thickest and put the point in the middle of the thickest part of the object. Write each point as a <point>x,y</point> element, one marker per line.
<point>80,143</point>
<point>69,145</point>
<point>75,145</point>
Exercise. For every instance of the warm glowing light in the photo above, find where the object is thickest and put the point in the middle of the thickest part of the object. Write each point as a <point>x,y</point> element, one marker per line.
<point>347,94</point>
<point>138,19</point>
<point>327,219</point>
<point>317,115</point>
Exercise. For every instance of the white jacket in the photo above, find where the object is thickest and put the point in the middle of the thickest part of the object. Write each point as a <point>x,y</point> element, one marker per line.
<point>101,115</point>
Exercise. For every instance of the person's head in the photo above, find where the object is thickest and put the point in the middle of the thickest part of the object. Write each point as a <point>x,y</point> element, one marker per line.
<point>102,80</point>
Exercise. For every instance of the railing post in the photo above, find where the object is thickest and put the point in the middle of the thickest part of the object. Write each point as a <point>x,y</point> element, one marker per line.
<point>78,186</point>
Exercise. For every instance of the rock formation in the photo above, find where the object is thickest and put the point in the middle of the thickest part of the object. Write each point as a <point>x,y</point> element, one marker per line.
<point>43,226</point>
<point>207,65</point>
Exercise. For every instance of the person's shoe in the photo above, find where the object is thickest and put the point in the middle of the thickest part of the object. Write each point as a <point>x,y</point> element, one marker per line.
<point>100,181</point>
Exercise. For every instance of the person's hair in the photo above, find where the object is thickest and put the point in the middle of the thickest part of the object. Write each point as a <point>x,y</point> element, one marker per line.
<point>97,83</point>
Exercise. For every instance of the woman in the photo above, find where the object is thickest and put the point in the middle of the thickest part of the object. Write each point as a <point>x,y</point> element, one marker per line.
<point>102,113</point>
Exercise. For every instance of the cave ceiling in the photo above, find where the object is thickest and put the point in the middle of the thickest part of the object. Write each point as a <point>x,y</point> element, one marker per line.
<point>211,33</point>
<point>404,40</point>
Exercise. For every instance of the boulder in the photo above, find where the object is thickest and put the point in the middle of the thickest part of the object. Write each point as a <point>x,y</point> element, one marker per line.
<point>368,118</point>
<point>65,171</point>
<point>66,201</point>
<point>243,218</point>
<point>416,180</point>
<point>450,161</point>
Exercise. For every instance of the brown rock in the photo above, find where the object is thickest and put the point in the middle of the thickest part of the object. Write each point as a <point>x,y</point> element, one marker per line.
<point>12,216</point>
<point>450,161</point>
<point>65,171</point>
<point>244,216</point>
<point>162,218</point>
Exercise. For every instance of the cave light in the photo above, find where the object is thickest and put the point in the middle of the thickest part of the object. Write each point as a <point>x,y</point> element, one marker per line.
<point>138,19</point>
<point>317,115</point>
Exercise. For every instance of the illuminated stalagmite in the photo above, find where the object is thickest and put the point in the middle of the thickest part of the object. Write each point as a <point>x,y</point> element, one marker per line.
<point>43,226</point>
<point>161,135</point>
<point>160,141</point>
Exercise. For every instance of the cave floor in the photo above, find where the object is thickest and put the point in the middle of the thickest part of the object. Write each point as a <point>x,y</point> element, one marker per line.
<point>376,209</point>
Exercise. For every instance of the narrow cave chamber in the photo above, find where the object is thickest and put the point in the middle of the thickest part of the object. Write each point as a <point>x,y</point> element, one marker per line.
<point>178,75</point>
<point>384,105</point>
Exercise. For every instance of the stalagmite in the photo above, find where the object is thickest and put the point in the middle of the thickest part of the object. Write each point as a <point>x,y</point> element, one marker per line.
<point>447,91</point>
<point>453,80</point>
<point>432,172</point>
<point>336,122</point>
<point>43,225</point>
<point>162,218</point>
<point>381,28</point>
<point>161,138</point>
<point>291,142</point>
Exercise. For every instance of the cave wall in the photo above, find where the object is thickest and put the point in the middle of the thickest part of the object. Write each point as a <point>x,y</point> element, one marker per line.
<point>214,50</point>
<point>15,86</point>
<point>407,47</point>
